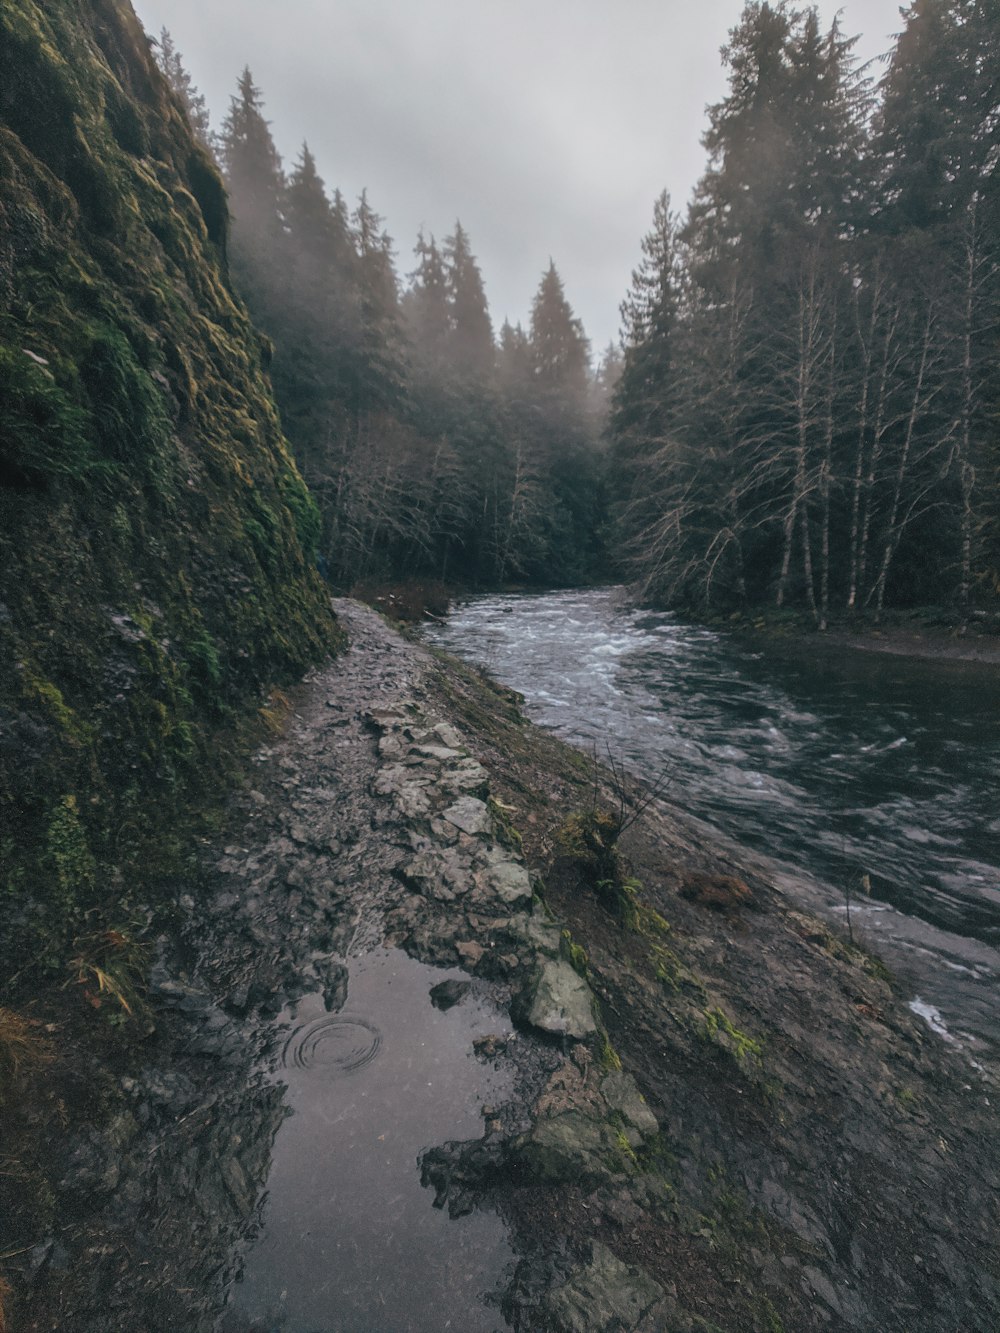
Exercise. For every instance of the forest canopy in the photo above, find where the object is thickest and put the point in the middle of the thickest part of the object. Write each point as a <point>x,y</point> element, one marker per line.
<point>802,412</point>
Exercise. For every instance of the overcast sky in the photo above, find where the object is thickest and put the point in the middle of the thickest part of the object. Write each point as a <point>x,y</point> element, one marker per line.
<point>547,126</point>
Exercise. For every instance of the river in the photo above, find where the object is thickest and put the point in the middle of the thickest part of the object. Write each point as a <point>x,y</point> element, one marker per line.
<point>839,769</point>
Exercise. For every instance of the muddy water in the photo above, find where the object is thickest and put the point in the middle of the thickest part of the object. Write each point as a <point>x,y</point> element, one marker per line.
<point>351,1240</point>
<point>832,763</point>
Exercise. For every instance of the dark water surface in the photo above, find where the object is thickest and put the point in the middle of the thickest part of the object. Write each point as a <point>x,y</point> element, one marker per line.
<point>351,1239</point>
<point>831,762</point>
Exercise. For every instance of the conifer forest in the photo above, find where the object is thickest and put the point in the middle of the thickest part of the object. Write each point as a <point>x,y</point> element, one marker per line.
<point>802,410</point>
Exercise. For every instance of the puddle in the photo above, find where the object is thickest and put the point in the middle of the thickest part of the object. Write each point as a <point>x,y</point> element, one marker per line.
<point>351,1241</point>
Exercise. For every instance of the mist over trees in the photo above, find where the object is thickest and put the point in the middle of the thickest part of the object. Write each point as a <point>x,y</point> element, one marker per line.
<point>803,410</point>
<point>433,448</point>
<point>807,413</point>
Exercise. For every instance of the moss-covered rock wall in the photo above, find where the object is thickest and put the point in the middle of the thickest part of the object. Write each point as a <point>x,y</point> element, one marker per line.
<point>156,540</point>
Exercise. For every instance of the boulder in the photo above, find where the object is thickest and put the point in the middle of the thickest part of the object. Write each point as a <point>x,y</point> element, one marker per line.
<point>602,1296</point>
<point>558,1001</point>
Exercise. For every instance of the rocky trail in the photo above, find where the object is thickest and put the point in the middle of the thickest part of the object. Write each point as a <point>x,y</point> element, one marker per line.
<point>704,1113</point>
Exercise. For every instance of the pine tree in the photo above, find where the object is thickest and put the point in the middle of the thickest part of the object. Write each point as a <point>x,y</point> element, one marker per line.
<point>313,323</point>
<point>169,60</point>
<point>559,348</point>
<point>642,401</point>
<point>426,311</point>
<point>381,371</point>
<point>472,350</point>
<point>514,370</point>
<point>256,186</point>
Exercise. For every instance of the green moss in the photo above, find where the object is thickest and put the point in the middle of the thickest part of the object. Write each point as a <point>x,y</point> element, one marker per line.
<point>625,1148</point>
<point>43,433</point>
<point>202,657</point>
<point>67,850</point>
<point>50,700</point>
<point>649,921</point>
<point>504,831</point>
<point>608,1058</point>
<point>156,540</point>
<point>574,954</point>
<point>770,1321</point>
<point>304,510</point>
<point>719,1029</point>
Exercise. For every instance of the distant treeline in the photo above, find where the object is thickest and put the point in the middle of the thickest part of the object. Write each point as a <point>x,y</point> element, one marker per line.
<point>808,412</point>
<point>433,448</point>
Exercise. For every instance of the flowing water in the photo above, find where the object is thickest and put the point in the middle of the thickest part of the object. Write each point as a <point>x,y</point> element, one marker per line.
<point>831,763</point>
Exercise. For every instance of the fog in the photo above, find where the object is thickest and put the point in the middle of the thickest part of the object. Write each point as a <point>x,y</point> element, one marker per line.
<point>547,126</point>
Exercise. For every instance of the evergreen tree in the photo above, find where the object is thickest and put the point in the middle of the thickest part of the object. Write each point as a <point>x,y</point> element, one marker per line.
<point>256,186</point>
<point>472,350</point>
<point>169,60</point>
<point>559,348</point>
<point>426,311</point>
<point>381,371</point>
<point>313,326</point>
<point>514,369</point>
<point>642,402</point>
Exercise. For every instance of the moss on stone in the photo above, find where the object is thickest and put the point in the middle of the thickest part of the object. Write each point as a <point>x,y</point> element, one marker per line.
<point>156,539</point>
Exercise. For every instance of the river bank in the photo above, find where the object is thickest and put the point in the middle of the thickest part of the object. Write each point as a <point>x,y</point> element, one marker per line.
<point>705,1111</point>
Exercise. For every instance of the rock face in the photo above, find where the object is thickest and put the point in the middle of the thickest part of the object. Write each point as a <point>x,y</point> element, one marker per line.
<point>602,1296</point>
<point>155,536</point>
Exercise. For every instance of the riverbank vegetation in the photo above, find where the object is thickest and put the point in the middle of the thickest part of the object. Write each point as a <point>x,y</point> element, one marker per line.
<point>807,412</point>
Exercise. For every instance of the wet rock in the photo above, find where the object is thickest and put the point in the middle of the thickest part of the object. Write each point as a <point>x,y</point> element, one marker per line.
<point>242,1191</point>
<point>448,735</point>
<point>720,893</point>
<point>558,1001</point>
<point>443,832</point>
<point>622,1095</point>
<point>442,874</point>
<point>539,934</point>
<point>332,977</point>
<point>508,881</point>
<point>602,1296</point>
<point>47,1256</point>
<point>488,1048</point>
<point>466,777</point>
<point>440,753</point>
<point>470,815</point>
<point>573,1146</point>
<point>446,994</point>
<point>95,1167</point>
<point>175,993</point>
<point>469,951</point>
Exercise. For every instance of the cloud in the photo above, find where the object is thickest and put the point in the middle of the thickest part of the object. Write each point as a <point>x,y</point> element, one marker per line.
<point>547,126</point>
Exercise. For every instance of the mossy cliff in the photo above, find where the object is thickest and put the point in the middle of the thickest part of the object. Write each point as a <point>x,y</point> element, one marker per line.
<point>156,540</point>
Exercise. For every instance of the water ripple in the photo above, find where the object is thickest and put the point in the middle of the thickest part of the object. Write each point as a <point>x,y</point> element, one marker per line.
<point>338,1045</point>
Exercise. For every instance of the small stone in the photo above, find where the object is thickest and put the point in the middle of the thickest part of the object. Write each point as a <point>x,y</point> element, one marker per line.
<point>470,815</point>
<point>622,1094</point>
<point>446,994</point>
<point>487,1048</point>
<point>469,951</point>
<point>441,753</point>
<point>448,735</point>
